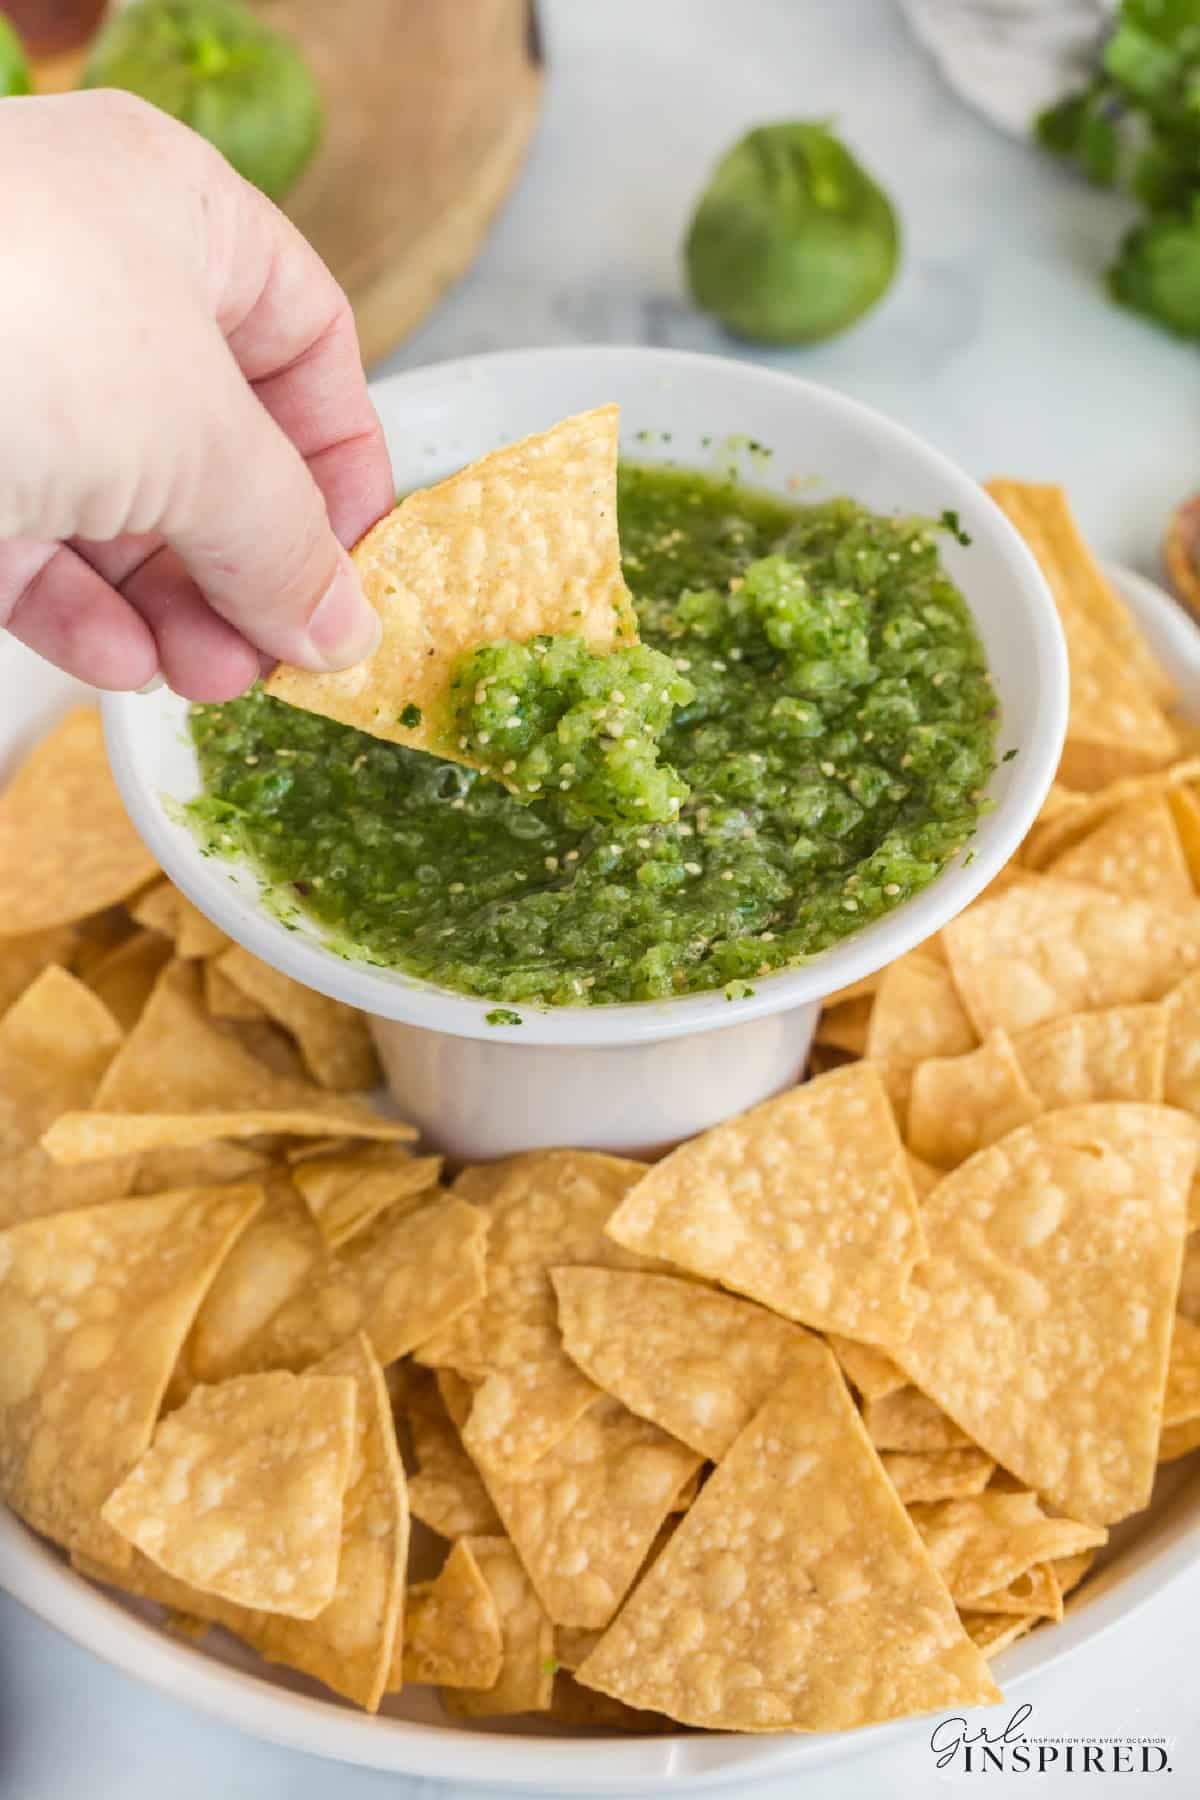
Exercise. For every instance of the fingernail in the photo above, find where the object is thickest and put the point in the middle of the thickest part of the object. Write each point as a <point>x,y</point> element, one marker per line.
<point>153,685</point>
<point>345,628</point>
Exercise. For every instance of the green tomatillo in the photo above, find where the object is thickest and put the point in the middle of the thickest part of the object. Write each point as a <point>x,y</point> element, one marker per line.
<point>14,70</point>
<point>791,241</point>
<point>219,69</point>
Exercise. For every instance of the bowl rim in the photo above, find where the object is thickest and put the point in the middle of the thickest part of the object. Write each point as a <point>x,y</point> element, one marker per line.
<point>392,994</point>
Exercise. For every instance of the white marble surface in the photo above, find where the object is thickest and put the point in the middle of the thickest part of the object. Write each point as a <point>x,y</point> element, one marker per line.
<point>997,344</point>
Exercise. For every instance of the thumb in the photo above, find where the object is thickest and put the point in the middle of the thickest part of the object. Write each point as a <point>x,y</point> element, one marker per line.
<point>249,523</point>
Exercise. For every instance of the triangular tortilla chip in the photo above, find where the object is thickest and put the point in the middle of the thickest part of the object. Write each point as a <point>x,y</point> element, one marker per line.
<point>56,1042</point>
<point>164,909</point>
<point>1046,948</point>
<point>1185,810</point>
<point>937,1474</point>
<point>804,1203</point>
<point>981,1543</point>
<point>180,1079</point>
<point>347,1191</point>
<point>1060,827</point>
<point>452,1632</point>
<point>1044,1307</point>
<point>1042,514</point>
<point>961,1104</point>
<point>1135,853</point>
<point>1116,1054</point>
<point>907,1419</point>
<point>352,1643</point>
<point>22,959</point>
<point>1034,1595</point>
<point>620,1475</point>
<point>1181,1402</point>
<point>696,1362</point>
<point>526,1679</point>
<point>796,1593</point>
<point>446,1493</point>
<point>224,1001</point>
<point>547,1208</point>
<point>285,1301</point>
<point>993,1632</point>
<point>240,1492</point>
<point>521,542</point>
<point>845,1026</point>
<point>866,1369</point>
<point>917,1014</point>
<point>67,848</point>
<point>1069,1571</point>
<point>125,977</point>
<point>94,1307</point>
<point>334,1040</point>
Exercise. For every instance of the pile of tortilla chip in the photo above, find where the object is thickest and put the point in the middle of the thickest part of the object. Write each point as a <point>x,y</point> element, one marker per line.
<point>792,1430</point>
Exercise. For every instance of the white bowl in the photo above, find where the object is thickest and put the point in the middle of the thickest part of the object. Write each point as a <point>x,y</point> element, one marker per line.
<point>479,1089</point>
<point>411,1737</point>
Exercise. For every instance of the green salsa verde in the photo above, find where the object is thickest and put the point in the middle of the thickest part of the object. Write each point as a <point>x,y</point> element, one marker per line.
<point>799,744</point>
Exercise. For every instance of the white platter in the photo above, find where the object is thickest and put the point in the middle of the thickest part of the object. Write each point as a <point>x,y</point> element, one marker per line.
<point>412,1737</point>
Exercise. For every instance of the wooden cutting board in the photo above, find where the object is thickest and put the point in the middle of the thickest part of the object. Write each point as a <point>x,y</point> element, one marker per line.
<point>429,109</point>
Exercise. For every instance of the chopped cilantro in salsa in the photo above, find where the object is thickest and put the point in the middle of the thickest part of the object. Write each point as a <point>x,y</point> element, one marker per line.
<point>831,733</point>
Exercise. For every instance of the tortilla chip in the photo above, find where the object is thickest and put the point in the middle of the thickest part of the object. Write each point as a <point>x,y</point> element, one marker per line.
<point>1185,810</point>
<point>240,1493</point>
<point>22,959</point>
<point>334,1040</point>
<point>845,1026</point>
<point>224,1001</point>
<point>56,1042</point>
<point>446,1493</point>
<point>1034,1594</point>
<point>351,1645</point>
<point>583,1709</point>
<point>1179,1440</point>
<point>982,1543</point>
<point>205,1165</point>
<point>573,1645</point>
<point>1136,852</point>
<point>1181,1401</point>
<point>164,909</point>
<point>452,1628</point>
<point>67,848</point>
<point>867,1369</point>
<point>523,541</point>
<point>908,1420</point>
<point>1189,1279</point>
<point>696,1362</point>
<point>1069,1571</point>
<point>547,1207</point>
<point>124,978</point>
<point>285,1301</point>
<point>585,1516</point>
<point>917,1014</point>
<point>348,1191</point>
<point>937,1474</point>
<point>961,1104</point>
<point>804,1203</point>
<point>1069,823</point>
<point>1046,948</point>
<point>526,1679</point>
<point>796,1593</point>
<point>993,1632</point>
<point>1042,514</point>
<point>1117,1054</point>
<point>1044,1308</point>
<point>94,1307</point>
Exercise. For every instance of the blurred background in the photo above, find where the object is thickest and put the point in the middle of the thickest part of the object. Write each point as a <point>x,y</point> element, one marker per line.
<point>487,173</point>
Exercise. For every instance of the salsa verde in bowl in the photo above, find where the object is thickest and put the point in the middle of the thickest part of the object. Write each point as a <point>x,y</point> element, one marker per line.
<point>676,410</point>
<point>800,743</point>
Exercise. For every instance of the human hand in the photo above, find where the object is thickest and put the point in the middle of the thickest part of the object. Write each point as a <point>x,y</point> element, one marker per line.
<point>186,439</point>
